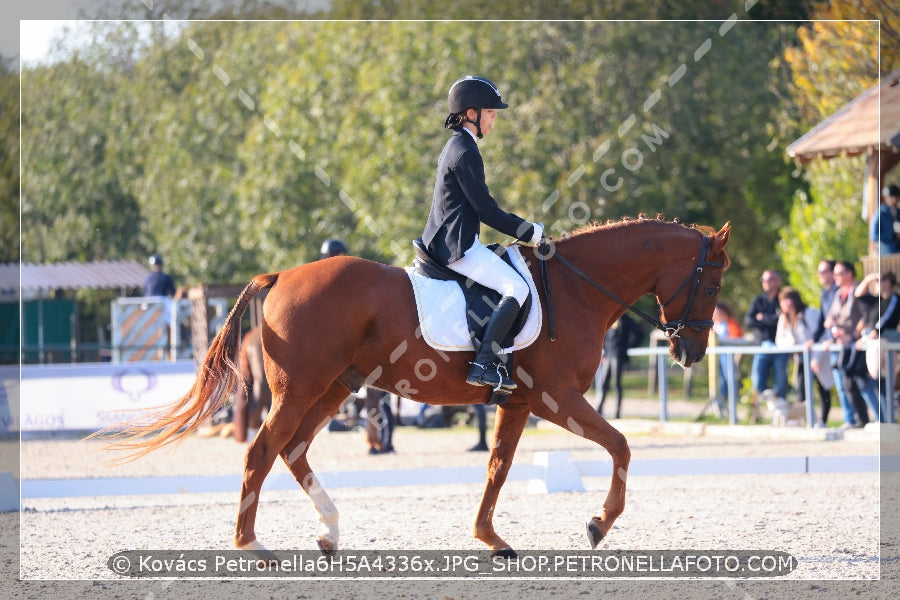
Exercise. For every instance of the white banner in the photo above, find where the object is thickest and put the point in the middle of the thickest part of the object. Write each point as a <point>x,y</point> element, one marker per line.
<point>88,397</point>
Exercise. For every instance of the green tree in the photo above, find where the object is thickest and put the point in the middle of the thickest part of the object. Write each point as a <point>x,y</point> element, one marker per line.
<point>567,9</point>
<point>197,109</point>
<point>75,203</point>
<point>818,230</point>
<point>243,145</point>
<point>833,62</point>
<point>9,162</point>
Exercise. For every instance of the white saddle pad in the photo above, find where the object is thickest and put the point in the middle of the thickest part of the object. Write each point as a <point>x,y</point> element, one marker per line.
<point>442,311</point>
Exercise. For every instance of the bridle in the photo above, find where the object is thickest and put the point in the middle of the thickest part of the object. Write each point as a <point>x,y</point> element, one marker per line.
<point>671,329</point>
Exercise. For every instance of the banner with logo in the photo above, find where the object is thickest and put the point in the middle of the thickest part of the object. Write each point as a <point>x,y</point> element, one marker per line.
<point>88,397</point>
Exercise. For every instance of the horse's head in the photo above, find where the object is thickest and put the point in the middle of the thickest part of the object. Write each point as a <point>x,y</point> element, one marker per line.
<point>687,299</point>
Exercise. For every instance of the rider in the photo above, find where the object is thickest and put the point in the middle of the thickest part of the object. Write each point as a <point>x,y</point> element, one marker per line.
<point>461,203</point>
<point>333,247</point>
<point>158,283</point>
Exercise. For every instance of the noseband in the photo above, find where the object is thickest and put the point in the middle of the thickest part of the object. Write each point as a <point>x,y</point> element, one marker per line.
<point>671,329</point>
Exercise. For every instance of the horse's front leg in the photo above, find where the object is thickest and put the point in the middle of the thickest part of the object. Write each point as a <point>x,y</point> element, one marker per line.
<point>570,410</point>
<point>511,420</point>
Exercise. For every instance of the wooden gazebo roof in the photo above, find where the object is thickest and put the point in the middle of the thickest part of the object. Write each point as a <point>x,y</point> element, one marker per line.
<point>868,124</point>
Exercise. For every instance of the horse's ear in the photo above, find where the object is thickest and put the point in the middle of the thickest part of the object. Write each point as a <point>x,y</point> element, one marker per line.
<point>724,234</point>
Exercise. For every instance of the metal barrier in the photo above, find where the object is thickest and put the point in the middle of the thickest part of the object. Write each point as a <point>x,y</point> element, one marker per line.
<point>661,354</point>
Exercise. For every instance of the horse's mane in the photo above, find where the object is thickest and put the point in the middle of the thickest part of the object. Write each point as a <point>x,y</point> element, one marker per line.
<point>629,222</point>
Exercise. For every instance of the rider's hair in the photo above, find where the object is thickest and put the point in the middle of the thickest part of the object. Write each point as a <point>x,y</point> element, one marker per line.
<point>455,120</point>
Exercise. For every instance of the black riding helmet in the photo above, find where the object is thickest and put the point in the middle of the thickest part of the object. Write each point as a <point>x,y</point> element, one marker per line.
<point>471,92</point>
<point>333,247</point>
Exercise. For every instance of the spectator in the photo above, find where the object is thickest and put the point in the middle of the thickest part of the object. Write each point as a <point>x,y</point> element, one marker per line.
<point>842,321</point>
<point>882,229</point>
<point>882,315</point>
<point>158,283</point>
<point>894,190</point>
<point>379,420</point>
<point>623,334</point>
<point>796,326</point>
<point>823,364</point>
<point>762,317</point>
<point>727,330</point>
<point>481,417</point>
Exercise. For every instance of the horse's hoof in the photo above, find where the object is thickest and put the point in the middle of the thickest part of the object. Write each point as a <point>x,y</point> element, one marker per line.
<point>260,552</point>
<point>504,553</point>
<point>595,536</point>
<point>327,547</point>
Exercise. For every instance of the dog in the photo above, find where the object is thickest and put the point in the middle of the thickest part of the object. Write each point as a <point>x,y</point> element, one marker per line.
<point>782,412</point>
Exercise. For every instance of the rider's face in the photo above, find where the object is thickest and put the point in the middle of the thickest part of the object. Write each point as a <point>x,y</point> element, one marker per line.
<point>487,118</point>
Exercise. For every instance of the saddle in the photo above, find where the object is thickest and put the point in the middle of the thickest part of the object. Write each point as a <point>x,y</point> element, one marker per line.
<point>480,301</point>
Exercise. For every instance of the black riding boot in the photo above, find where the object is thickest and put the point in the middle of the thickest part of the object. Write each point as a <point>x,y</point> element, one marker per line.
<point>488,368</point>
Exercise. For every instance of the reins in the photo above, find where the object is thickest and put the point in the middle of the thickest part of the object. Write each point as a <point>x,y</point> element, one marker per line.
<point>671,328</point>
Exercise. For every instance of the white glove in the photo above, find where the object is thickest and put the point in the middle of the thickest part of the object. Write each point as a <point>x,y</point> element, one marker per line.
<point>538,233</point>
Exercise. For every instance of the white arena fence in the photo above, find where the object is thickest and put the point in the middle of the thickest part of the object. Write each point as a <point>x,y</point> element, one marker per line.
<point>87,397</point>
<point>889,349</point>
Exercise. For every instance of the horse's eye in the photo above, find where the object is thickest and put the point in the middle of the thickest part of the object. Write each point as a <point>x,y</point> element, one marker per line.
<point>712,291</point>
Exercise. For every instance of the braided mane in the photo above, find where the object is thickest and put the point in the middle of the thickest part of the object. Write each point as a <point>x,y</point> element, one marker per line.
<point>641,218</point>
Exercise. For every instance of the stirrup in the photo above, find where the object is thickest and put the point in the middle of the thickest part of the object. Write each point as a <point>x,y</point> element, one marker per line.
<point>500,375</point>
<point>490,368</point>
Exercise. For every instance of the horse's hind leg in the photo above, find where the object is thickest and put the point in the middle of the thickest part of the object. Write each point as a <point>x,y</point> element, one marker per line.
<point>279,427</point>
<point>294,455</point>
<point>572,411</point>
<point>511,420</point>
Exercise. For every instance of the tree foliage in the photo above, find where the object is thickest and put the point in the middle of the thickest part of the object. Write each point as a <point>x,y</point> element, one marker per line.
<point>76,198</point>
<point>9,163</point>
<point>836,58</point>
<point>237,147</point>
<point>823,228</point>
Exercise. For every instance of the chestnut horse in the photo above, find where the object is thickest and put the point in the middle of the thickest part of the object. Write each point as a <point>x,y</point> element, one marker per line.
<point>331,326</point>
<point>254,395</point>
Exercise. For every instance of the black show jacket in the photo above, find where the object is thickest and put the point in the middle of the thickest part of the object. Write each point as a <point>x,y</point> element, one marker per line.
<point>462,202</point>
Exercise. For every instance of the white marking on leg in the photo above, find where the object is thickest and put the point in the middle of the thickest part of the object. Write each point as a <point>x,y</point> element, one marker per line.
<point>325,508</point>
<point>622,474</point>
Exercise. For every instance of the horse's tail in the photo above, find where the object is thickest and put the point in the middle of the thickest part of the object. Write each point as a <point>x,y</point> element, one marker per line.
<point>211,390</point>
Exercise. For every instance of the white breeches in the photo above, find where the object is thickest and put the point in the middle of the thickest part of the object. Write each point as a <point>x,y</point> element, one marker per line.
<point>483,266</point>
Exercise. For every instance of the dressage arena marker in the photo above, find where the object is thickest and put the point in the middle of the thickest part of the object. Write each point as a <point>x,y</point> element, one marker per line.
<point>552,472</point>
<point>560,473</point>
